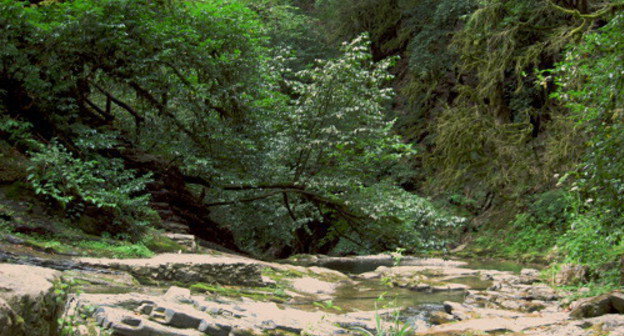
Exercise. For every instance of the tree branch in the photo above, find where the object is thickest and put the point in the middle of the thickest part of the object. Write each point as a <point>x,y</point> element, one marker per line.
<point>138,119</point>
<point>353,219</point>
<point>244,200</point>
<point>591,16</point>
<point>162,108</point>
<point>287,205</point>
<point>263,186</point>
<point>105,113</point>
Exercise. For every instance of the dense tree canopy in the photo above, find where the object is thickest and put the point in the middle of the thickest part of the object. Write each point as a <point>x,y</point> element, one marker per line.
<point>334,126</point>
<point>277,154</point>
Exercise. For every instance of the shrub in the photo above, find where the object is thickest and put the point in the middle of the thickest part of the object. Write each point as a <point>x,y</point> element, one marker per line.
<point>105,183</point>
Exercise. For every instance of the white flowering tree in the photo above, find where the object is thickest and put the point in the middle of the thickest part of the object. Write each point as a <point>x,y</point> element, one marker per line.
<point>328,165</point>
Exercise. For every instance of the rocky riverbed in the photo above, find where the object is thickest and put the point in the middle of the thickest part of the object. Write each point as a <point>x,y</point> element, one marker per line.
<point>215,293</point>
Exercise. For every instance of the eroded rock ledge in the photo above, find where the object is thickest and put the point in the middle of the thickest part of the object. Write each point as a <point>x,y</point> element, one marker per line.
<point>186,268</point>
<point>30,300</point>
<point>267,296</point>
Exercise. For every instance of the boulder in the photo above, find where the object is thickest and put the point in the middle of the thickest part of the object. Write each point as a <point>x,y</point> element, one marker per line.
<point>571,274</point>
<point>529,276</point>
<point>439,317</point>
<point>610,303</point>
<point>28,302</point>
<point>457,310</point>
<point>178,295</point>
<point>186,240</point>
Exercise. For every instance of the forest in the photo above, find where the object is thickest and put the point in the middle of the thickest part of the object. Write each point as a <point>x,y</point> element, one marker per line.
<point>275,128</point>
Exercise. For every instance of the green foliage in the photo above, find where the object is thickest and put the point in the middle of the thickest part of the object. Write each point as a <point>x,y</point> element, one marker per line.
<point>121,250</point>
<point>397,256</point>
<point>473,149</point>
<point>56,173</point>
<point>395,329</point>
<point>346,19</point>
<point>69,243</point>
<point>205,87</point>
<point>587,242</point>
<point>491,130</point>
<point>538,229</point>
<point>432,57</point>
<point>327,305</point>
<point>335,145</point>
<point>591,82</point>
<point>262,293</point>
<point>290,29</point>
<point>161,244</point>
<point>18,132</point>
<point>530,236</point>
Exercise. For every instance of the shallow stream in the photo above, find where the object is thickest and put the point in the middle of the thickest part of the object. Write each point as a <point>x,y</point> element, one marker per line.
<point>369,295</point>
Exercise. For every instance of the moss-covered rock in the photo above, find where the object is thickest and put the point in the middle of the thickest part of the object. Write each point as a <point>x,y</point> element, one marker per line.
<point>31,300</point>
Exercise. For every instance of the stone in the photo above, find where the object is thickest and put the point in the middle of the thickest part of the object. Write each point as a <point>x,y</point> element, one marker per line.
<point>529,276</point>
<point>421,287</point>
<point>450,287</point>
<point>459,248</point>
<point>540,292</point>
<point>178,295</point>
<point>9,320</point>
<point>369,276</point>
<point>570,274</point>
<point>28,302</point>
<point>441,318</point>
<point>313,286</point>
<point>214,329</point>
<point>529,272</point>
<point>181,319</point>
<point>498,324</point>
<point>617,300</point>
<point>11,239</point>
<point>187,268</point>
<point>186,240</point>
<point>125,323</point>
<point>610,303</point>
<point>98,282</point>
<point>457,310</point>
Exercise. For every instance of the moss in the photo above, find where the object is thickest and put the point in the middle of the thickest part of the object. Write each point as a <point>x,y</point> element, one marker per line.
<point>18,191</point>
<point>47,244</point>
<point>14,164</point>
<point>161,244</point>
<point>281,275</point>
<point>258,293</point>
<point>146,280</point>
<point>87,246</point>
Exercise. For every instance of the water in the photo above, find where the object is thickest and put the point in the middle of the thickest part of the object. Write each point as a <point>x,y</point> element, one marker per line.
<point>500,265</point>
<point>356,266</point>
<point>371,295</point>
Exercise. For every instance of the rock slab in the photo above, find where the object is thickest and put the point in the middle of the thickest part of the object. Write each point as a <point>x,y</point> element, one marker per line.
<point>28,302</point>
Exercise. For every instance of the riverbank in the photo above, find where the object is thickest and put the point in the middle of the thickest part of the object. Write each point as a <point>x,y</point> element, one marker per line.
<point>216,293</point>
